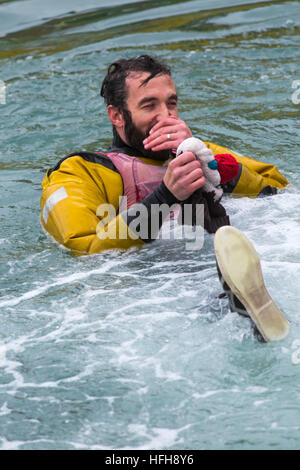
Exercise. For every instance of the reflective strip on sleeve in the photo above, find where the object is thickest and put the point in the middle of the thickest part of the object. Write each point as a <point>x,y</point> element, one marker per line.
<point>52,200</point>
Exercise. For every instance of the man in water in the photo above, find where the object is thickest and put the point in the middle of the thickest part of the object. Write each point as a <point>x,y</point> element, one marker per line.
<point>82,204</point>
<point>142,106</point>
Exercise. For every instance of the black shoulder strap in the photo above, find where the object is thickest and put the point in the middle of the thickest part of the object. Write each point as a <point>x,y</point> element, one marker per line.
<point>92,157</point>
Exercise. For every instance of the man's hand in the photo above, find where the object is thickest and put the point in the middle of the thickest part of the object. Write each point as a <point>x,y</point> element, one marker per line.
<point>184,176</point>
<point>171,127</point>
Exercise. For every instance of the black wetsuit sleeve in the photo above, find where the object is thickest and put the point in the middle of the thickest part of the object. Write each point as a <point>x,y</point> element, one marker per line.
<point>146,218</point>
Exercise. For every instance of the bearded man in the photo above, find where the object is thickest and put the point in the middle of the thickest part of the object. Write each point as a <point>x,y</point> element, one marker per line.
<point>82,205</point>
<point>89,200</point>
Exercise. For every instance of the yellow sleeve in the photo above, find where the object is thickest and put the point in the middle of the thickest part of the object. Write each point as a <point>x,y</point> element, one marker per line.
<point>255,175</point>
<point>71,199</point>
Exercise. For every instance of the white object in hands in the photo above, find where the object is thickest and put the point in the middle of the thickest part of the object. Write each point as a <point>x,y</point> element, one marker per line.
<point>204,155</point>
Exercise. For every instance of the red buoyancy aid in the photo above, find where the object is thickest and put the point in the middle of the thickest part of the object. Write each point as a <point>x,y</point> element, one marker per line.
<point>139,178</point>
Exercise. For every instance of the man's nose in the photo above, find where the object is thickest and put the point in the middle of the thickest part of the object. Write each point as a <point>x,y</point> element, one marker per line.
<point>163,111</point>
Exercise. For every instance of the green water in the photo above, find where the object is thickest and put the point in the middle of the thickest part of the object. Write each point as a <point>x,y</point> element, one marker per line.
<point>135,350</point>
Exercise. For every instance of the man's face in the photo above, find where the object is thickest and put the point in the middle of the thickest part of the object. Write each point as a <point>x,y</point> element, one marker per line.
<point>147,104</point>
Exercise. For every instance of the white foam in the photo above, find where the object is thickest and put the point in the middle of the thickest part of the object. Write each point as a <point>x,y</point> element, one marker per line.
<point>4,410</point>
<point>163,438</point>
<point>67,279</point>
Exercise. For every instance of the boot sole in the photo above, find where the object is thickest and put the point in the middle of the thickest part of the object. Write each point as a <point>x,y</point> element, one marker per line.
<point>241,269</point>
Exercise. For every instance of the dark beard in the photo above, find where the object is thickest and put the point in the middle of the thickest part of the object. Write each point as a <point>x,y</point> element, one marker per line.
<point>135,139</point>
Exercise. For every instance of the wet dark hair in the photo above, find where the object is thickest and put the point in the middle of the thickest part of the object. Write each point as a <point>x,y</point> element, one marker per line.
<point>114,90</point>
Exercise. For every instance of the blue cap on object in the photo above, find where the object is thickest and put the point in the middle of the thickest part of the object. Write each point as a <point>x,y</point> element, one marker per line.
<point>213,165</point>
